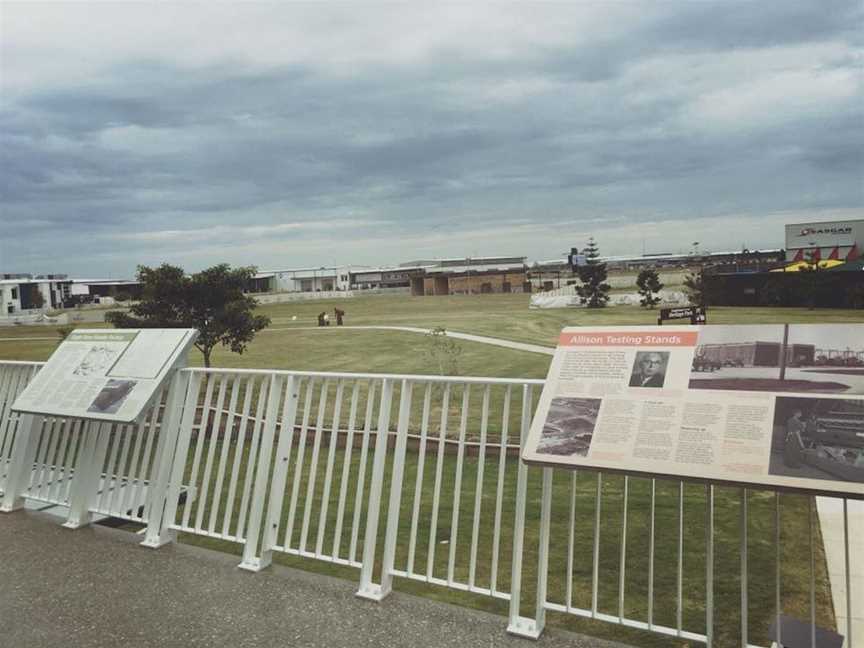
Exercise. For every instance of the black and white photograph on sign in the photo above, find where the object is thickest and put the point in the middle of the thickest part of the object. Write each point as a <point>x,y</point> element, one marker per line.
<point>112,396</point>
<point>818,438</point>
<point>569,426</point>
<point>649,369</point>
<point>97,361</point>
<point>810,358</point>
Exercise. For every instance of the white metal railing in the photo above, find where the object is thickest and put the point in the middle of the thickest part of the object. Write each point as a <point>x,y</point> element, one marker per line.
<point>14,377</point>
<point>418,477</point>
<point>91,468</point>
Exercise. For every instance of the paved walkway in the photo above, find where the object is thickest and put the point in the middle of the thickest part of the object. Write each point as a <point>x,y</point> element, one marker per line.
<point>95,587</point>
<point>831,523</point>
<point>483,339</point>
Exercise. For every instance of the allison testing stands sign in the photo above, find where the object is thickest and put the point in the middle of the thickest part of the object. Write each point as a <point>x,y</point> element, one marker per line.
<point>767,405</point>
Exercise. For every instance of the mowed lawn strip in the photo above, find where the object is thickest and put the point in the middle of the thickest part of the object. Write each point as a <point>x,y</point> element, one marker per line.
<point>508,317</point>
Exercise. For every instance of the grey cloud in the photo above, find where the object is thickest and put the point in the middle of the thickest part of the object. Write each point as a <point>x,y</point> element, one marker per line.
<point>161,147</point>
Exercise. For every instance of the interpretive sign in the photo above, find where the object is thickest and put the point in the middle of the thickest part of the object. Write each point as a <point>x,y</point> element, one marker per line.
<point>766,405</point>
<point>105,374</point>
<point>696,314</point>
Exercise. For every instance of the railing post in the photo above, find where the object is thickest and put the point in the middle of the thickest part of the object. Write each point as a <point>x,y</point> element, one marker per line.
<point>396,488</point>
<point>88,473</point>
<point>26,443</point>
<point>368,589</point>
<point>280,468</point>
<point>157,533</point>
<point>519,625</point>
<point>251,560</point>
<point>160,527</point>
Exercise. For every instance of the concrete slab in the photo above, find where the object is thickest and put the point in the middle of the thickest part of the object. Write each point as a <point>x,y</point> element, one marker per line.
<point>96,587</point>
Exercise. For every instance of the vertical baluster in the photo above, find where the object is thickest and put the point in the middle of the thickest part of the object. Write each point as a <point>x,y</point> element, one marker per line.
<point>134,470</point>
<point>121,480</point>
<point>436,490</point>
<point>652,515</point>
<point>298,463</point>
<point>200,441</point>
<point>478,491</point>
<point>361,471</point>
<point>499,491</point>
<point>211,451</point>
<point>223,455</point>
<point>313,464</point>
<point>622,563</point>
<point>418,482</point>
<point>571,540</point>
<point>346,469</point>
<point>743,550</point>
<point>248,476</point>
<point>328,473</point>
<point>709,568</point>
<point>249,387</point>
<point>457,486</point>
<point>595,576</point>
<point>679,575</point>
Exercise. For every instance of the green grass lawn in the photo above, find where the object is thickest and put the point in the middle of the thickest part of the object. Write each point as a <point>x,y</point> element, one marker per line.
<point>794,557</point>
<point>508,317</point>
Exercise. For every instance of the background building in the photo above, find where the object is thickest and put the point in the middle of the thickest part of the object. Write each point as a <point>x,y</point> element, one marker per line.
<point>469,276</point>
<point>839,240</point>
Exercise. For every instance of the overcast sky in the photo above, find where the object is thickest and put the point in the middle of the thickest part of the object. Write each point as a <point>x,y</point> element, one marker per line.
<point>312,134</point>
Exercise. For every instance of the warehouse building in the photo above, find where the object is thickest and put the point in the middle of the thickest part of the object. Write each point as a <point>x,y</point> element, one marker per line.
<point>470,276</point>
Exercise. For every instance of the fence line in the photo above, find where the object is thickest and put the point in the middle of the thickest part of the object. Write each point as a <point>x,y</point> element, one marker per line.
<point>413,477</point>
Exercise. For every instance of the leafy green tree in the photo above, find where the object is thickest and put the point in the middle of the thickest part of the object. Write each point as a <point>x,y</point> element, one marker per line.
<point>593,289</point>
<point>211,301</point>
<point>648,283</point>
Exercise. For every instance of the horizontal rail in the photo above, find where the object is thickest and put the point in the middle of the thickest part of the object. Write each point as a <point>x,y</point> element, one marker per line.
<point>471,380</point>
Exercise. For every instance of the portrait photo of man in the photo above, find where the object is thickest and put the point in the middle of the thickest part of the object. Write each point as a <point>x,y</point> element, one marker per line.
<point>649,369</point>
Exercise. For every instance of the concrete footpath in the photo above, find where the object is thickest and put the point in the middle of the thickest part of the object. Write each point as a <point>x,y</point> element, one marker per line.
<point>95,587</point>
<point>469,337</point>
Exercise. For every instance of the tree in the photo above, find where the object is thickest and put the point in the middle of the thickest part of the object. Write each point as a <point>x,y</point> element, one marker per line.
<point>211,301</point>
<point>593,290</point>
<point>443,351</point>
<point>694,284</point>
<point>649,285</point>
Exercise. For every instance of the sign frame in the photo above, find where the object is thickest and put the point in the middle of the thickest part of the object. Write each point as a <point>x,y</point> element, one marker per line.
<point>581,414</point>
<point>106,375</point>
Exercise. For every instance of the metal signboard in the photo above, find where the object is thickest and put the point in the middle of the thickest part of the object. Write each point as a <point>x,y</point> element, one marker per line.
<point>778,406</point>
<point>696,314</point>
<point>105,374</point>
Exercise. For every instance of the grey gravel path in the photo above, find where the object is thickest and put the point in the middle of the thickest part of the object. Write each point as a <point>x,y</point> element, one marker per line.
<point>96,587</point>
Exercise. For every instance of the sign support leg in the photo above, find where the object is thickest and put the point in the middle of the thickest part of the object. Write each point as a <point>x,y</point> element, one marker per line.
<point>21,466</point>
<point>88,473</point>
<point>157,533</point>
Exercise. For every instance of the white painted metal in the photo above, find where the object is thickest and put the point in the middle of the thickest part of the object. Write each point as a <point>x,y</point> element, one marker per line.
<point>139,472</point>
